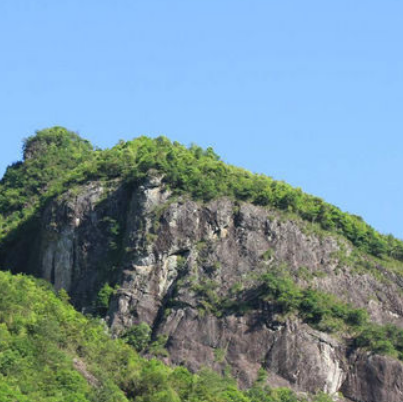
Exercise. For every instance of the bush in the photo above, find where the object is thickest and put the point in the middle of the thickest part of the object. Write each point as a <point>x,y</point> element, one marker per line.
<point>138,336</point>
<point>103,298</point>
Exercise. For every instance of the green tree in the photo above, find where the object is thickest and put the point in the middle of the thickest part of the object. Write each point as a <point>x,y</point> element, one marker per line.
<point>138,336</point>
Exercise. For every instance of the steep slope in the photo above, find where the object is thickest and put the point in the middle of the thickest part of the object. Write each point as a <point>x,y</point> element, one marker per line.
<point>51,353</point>
<point>228,269</point>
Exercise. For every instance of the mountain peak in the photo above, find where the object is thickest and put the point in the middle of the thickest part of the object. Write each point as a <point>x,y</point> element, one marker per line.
<point>57,136</point>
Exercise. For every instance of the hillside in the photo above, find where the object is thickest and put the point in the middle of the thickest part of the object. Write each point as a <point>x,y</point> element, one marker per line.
<point>50,353</point>
<point>203,264</point>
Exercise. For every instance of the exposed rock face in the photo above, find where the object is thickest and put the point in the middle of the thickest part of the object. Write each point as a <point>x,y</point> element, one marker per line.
<point>308,358</point>
<point>374,378</point>
<point>163,254</point>
<point>295,355</point>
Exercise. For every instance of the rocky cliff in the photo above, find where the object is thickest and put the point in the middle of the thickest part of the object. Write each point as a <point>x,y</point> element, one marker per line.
<point>191,270</point>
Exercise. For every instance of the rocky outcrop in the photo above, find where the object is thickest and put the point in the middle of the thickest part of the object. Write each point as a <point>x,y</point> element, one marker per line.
<point>294,354</point>
<point>374,378</point>
<point>171,259</point>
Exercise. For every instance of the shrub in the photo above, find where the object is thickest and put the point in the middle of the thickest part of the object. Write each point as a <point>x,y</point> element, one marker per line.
<point>138,336</point>
<point>103,298</point>
<point>326,313</point>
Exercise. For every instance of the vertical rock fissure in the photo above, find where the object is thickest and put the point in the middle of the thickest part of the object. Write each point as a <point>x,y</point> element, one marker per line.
<point>168,296</point>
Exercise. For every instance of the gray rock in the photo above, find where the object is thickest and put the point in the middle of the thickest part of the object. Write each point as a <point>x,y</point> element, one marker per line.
<point>156,249</point>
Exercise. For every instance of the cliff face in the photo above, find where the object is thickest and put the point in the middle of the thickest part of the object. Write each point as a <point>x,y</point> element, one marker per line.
<point>174,260</point>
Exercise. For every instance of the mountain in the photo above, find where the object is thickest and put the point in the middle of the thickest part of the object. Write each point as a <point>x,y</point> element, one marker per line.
<point>51,353</point>
<point>203,264</point>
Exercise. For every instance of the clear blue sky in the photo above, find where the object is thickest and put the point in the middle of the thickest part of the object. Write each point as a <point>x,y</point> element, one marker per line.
<point>310,91</point>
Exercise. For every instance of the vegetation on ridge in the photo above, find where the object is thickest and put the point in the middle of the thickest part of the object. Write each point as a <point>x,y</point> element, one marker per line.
<point>58,159</point>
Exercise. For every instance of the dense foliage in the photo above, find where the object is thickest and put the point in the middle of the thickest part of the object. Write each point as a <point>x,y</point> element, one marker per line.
<point>56,159</point>
<point>49,157</point>
<point>51,353</point>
